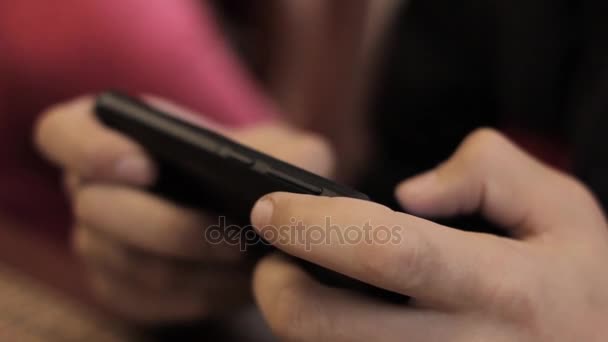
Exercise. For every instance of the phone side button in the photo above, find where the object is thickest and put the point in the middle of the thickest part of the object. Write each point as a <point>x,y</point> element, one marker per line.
<point>306,187</point>
<point>229,153</point>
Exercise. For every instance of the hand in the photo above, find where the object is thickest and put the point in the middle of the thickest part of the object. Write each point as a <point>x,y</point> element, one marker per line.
<point>145,256</point>
<point>546,283</point>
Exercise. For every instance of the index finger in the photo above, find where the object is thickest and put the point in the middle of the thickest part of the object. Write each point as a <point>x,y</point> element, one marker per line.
<point>491,175</point>
<point>437,265</point>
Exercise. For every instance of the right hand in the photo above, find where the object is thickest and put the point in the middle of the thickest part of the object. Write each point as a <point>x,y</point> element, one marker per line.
<point>545,282</point>
<point>145,257</point>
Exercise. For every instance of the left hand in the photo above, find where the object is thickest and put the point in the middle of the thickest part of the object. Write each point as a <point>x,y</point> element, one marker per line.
<point>545,283</point>
<point>145,257</point>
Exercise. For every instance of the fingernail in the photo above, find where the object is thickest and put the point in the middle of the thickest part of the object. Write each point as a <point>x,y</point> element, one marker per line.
<point>136,169</point>
<point>262,212</point>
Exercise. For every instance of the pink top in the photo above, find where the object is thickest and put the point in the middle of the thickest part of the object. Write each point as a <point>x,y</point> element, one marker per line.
<point>51,51</point>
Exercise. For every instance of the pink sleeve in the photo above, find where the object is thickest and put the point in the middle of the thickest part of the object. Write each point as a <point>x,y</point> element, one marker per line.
<point>52,51</point>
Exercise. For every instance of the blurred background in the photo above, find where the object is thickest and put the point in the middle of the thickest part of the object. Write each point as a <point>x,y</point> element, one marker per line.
<point>395,85</point>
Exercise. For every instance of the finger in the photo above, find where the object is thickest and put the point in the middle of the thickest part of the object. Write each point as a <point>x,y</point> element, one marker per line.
<point>150,271</point>
<point>140,303</point>
<point>143,307</point>
<point>491,175</point>
<point>71,136</point>
<point>298,308</point>
<point>306,150</point>
<point>71,183</point>
<point>147,288</point>
<point>151,223</point>
<point>185,114</point>
<point>437,265</point>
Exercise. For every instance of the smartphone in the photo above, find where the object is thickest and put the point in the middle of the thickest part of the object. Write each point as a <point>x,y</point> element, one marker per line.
<point>201,168</point>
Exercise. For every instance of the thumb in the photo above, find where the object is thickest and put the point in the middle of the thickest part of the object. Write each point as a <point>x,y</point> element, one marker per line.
<point>69,135</point>
<point>490,175</point>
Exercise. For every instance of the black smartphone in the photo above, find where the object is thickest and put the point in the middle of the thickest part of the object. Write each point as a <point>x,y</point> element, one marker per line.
<point>201,168</point>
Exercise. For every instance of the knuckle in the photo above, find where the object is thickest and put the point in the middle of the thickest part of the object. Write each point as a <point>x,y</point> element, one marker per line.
<point>406,262</point>
<point>139,267</point>
<point>106,290</point>
<point>81,241</point>
<point>486,135</point>
<point>319,145</point>
<point>94,157</point>
<point>155,275</point>
<point>125,261</point>
<point>84,205</point>
<point>46,128</point>
<point>580,191</point>
<point>288,312</point>
<point>513,296</point>
<point>70,183</point>
<point>513,301</point>
<point>482,145</point>
<point>89,204</point>
<point>292,317</point>
<point>113,297</point>
<point>48,125</point>
<point>181,226</point>
<point>180,231</point>
<point>42,127</point>
<point>584,200</point>
<point>320,149</point>
<point>316,141</point>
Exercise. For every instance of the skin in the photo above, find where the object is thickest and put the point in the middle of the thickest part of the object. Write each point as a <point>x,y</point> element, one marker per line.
<point>145,257</point>
<point>545,283</point>
<point>146,262</point>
